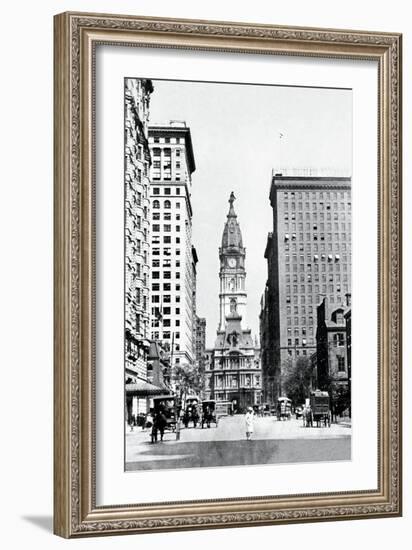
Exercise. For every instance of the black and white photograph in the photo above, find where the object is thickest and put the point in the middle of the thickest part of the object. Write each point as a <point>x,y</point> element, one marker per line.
<point>237,251</point>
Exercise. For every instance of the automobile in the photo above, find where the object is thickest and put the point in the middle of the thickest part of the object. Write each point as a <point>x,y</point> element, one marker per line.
<point>299,412</point>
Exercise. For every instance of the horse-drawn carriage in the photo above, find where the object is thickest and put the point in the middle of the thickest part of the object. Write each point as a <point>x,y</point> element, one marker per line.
<point>209,413</point>
<point>191,412</point>
<point>318,410</point>
<point>284,408</point>
<point>213,411</point>
<point>169,406</point>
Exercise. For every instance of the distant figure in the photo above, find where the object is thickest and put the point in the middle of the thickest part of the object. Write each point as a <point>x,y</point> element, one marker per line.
<point>148,423</point>
<point>154,429</point>
<point>249,423</point>
<point>161,422</point>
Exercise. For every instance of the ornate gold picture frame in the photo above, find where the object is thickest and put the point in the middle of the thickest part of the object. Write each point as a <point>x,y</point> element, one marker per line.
<point>76,36</point>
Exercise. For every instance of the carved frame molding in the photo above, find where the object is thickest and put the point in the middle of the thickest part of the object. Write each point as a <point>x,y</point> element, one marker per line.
<point>76,36</point>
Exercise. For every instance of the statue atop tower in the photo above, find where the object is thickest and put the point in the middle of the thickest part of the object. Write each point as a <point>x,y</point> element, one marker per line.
<point>232,236</point>
<point>232,254</point>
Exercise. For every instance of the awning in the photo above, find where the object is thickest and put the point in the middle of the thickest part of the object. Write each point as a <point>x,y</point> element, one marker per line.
<point>143,389</point>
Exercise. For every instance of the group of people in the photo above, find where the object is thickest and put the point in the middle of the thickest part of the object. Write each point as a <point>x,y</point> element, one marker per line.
<point>157,425</point>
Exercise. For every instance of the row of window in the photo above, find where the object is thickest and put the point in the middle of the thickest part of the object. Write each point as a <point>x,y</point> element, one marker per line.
<point>297,331</point>
<point>308,289</point>
<point>316,246</point>
<point>166,151</point>
<point>308,298</point>
<point>168,140</point>
<point>166,287</point>
<point>167,239</point>
<point>316,257</point>
<point>315,266</point>
<point>167,165</point>
<point>167,228</point>
<point>315,216</point>
<point>167,216</point>
<point>312,298</point>
<point>166,298</point>
<point>166,274</point>
<point>298,352</point>
<point>233,383</point>
<point>166,204</point>
<point>331,277</point>
<point>307,323</point>
<point>329,195</point>
<point>297,342</point>
<point>166,310</point>
<point>318,205</point>
<point>336,226</point>
<point>166,251</point>
<point>318,236</point>
<point>165,323</point>
<point>166,263</point>
<point>165,190</point>
<point>166,176</point>
<point>167,336</point>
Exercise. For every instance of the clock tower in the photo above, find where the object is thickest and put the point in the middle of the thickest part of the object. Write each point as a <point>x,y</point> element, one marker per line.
<point>232,274</point>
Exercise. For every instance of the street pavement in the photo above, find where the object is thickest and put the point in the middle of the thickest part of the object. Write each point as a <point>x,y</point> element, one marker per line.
<point>273,442</point>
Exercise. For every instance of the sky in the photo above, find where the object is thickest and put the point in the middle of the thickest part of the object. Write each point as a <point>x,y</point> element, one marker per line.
<point>235,131</point>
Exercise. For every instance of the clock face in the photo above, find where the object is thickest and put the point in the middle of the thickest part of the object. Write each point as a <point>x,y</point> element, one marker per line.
<point>231,262</point>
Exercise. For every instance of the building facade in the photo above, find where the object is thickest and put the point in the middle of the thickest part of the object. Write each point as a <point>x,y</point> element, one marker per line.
<point>173,262</point>
<point>143,376</point>
<point>200,338</point>
<point>200,345</point>
<point>333,370</point>
<point>348,321</point>
<point>308,256</point>
<point>137,229</point>
<point>233,370</point>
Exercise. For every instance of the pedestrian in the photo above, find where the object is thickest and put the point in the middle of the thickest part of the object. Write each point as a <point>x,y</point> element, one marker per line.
<point>148,422</point>
<point>161,424</point>
<point>249,423</point>
<point>154,429</point>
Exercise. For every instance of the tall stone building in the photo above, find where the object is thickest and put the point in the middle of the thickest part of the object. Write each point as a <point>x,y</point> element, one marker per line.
<point>308,255</point>
<point>137,239</point>
<point>137,225</point>
<point>234,372</point>
<point>173,277</point>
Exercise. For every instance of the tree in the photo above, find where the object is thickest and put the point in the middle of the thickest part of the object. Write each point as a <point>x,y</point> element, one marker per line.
<point>297,379</point>
<point>188,378</point>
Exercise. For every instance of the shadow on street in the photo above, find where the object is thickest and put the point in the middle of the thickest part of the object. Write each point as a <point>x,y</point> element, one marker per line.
<point>171,455</point>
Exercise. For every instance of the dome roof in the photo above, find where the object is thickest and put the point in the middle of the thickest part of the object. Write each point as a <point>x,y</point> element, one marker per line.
<point>232,236</point>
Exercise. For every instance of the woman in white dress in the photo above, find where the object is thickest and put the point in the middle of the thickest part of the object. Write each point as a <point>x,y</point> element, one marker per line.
<point>249,423</point>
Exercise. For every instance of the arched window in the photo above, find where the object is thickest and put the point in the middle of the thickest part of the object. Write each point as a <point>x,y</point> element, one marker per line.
<point>167,204</point>
<point>156,204</point>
